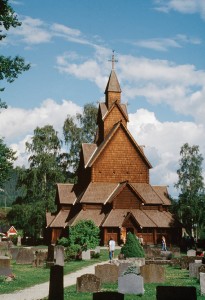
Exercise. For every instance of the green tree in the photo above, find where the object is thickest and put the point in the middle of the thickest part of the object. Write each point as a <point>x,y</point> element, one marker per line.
<point>132,247</point>
<point>38,182</point>
<point>78,130</point>
<point>191,202</point>
<point>10,68</point>
<point>7,157</point>
<point>84,234</point>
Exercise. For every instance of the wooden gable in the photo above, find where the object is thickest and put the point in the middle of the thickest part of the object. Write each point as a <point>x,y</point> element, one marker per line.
<point>127,198</point>
<point>114,115</point>
<point>120,160</point>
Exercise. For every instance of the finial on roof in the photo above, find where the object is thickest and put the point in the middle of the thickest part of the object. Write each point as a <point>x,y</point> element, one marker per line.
<point>113,60</point>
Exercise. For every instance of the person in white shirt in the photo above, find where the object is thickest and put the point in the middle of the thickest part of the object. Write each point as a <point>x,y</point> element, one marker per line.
<point>111,248</point>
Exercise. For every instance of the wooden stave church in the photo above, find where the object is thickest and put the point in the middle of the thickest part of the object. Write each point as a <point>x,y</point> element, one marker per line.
<point>113,186</point>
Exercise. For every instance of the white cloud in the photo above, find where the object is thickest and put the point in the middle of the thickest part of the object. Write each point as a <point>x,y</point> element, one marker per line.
<point>181,87</point>
<point>182,6</point>
<point>163,44</point>
<point>18,129</point>
<point>163,141</point>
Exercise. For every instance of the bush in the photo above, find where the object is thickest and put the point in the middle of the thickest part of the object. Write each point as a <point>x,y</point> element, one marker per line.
<point>72,252</point>
<point>132,247</point>
<point>85,234</point>
<point>63,242</point>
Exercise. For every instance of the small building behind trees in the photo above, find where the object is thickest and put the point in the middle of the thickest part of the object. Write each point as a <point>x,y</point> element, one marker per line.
<point>113,187</point>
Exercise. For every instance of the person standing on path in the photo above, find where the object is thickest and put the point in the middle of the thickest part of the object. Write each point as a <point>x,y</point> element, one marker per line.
<point>164,246</point>
<point>111,246</point>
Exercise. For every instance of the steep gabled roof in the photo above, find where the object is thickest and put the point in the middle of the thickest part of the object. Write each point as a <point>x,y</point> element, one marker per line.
<point>88,150</point>
<point>144,218</point>
<point>160,218</point>
<point>98,192</point>
<point>148,194</point>
<point>60,219</point>
<point>66,193</point>
<point>96,215</point>
<point>113,83</point>
<point>49,218</point>
<point>162,193</point>
<point>105,112</point>
<point>109,137</point>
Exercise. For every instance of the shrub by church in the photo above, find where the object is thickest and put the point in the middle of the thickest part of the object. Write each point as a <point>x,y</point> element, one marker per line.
<point>113,187</point>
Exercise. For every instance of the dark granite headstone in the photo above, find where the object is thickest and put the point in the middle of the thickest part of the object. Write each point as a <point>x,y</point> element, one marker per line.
<point>56,291</point>
<point>152,273</point>
<point>50,257</point>
<point>25,256</point>
<point>107,273</point>
<point>88,283</point>
<point>176,292</point>
<point>108,296</point>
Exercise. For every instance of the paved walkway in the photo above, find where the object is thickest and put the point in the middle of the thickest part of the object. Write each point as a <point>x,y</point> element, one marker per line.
<point>41,291</point>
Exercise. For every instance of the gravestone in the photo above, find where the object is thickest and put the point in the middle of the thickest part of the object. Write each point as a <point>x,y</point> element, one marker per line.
<point>202,283</point>
<point>123,266</point>
<point>97,249</point>
<point>107,273</point>
<point>56,291</point>
<point>25,256</point>
<point>5,268</point>
<point>191,252</point>
<point>108,296</point>
<point>19,240</point>
<point>40,258</point>
<point>59,250</point>
<point>88,283</point>
<point>86,255</point>
<point>152,273</point>
<point>50,257</point>
<point>176,292</point>
<point>14,252</point>
<point>194,269</point>
<point>131,284</point>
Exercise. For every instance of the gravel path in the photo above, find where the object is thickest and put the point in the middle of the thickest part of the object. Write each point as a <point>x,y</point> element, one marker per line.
<point>41,291</point>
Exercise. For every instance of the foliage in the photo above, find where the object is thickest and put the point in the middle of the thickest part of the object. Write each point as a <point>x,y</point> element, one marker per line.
<point>191,204</point>
<point>78,130</point>
<point>63,242</point>
<point>38,182</point>
<point>85,234</point>
<point>10,68</point>
<point>132,247</point>
<point>72,252</point>
<point>7,157</point>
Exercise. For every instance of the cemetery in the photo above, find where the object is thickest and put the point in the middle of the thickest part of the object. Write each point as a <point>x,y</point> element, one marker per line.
<point>148,277</point>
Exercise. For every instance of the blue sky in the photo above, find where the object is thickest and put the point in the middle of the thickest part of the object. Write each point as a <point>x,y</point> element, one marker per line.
<point>159,46</point>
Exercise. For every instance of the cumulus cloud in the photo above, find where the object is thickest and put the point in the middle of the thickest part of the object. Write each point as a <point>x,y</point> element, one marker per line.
<point>163,141</point>
<point>182,6</point>
<point>17,130</point>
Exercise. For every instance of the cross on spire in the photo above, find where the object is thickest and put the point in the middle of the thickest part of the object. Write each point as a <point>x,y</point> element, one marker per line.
<point>113,60</point>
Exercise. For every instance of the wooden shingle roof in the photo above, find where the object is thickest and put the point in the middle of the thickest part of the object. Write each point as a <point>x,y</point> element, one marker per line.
<point>163,194</point>
<point>113,83</point>
<point>61,219</point>
<point>160,218</point>
<point>148,194</point>
<point>98,192</point>
<point>88,150</point>
<point>109,137</point>
<point>96,215</point>
<point>66,193</point>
